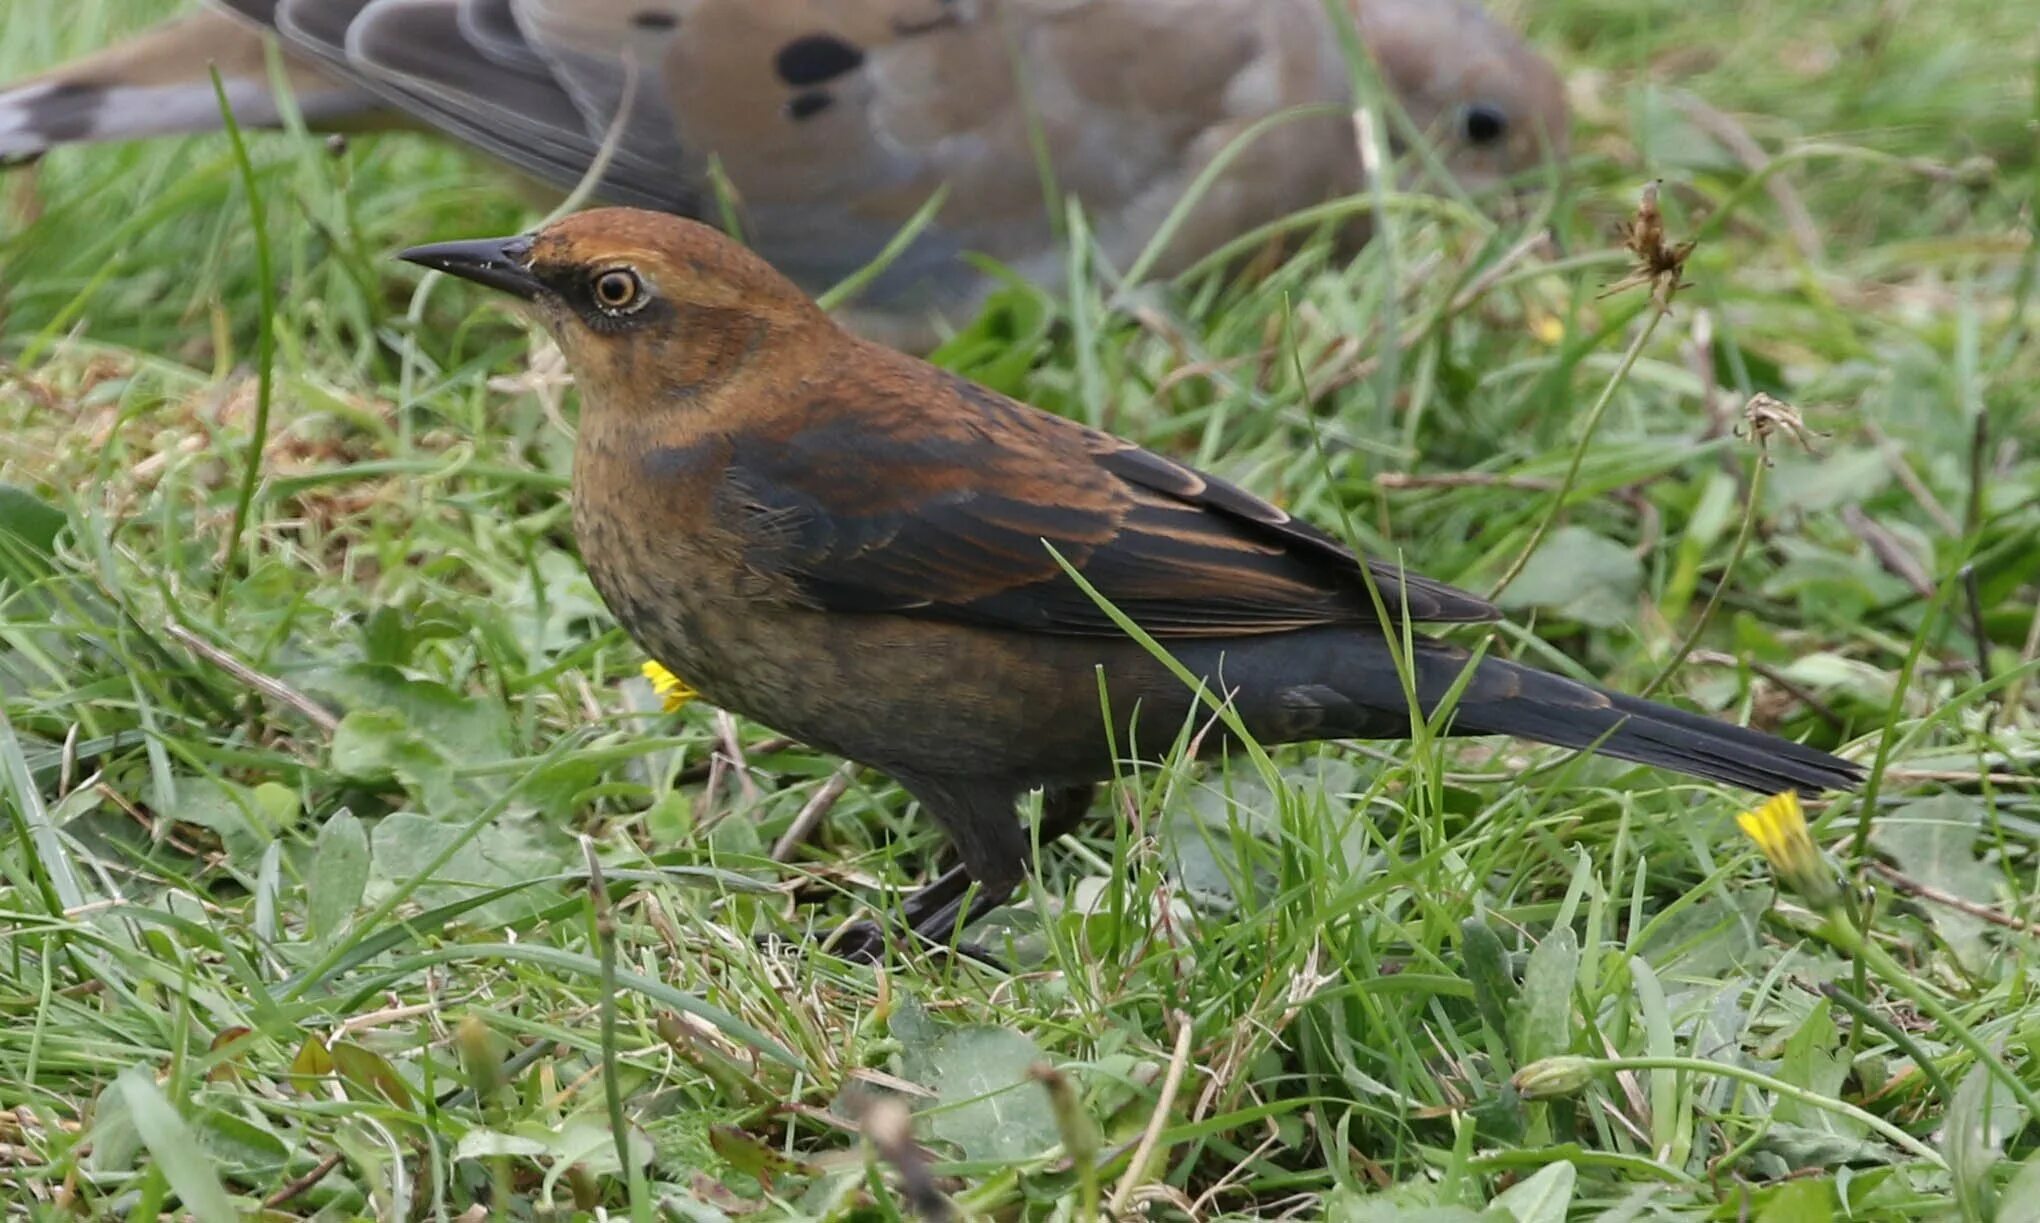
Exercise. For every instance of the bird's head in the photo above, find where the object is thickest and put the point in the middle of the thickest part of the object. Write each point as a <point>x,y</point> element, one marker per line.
<point>1493,108</point>
<point>646,306</point>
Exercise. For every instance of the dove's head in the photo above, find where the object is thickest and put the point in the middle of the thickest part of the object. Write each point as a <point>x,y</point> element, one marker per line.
<point>645,305</point>
<point>1490,104</point>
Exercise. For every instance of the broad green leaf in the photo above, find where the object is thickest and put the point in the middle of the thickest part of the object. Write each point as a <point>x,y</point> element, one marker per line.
<point>339,873</point>
<point>2021,1198</point>
<point>1814,485</point>
<point>985,1102</point>
<point>369,1074</point>
<point>176,1149</point>
<point>377,746</point>
<point>472,730</point>
<point>516,846</point>
<point>245,820</point>
<point>1579,575</point>
<point>1801,1201</point>
<point>412,731</point>
<point>28,534</point>
<point>580,1139</point>
<point>1933,841</point>
<point>491,1144</point>
<point>1814,1059</point>
<point>251,1149</point>
<point>1414,1202</point>
<point>1980,1117</point>
<point>1543,1198</point>
<point>1486,960</point>
<point>1544,1020</point>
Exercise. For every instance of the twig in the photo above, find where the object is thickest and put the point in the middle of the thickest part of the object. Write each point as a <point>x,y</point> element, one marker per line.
<point>1974,598</point>
<point>888,1125</point>
<point>1960,775</point>
<point>1902,470</point>
<point>733,747</point>
<point>1659,265</point>
<point>1890,553</point>
<point>1927,891</point>
<point>700,772</point>
<point>812,815</point>
<point>2016,692</point>
<point>1572,471</point>
<point>604,917</point>
<point>265,342</point>
<point>1979,464</point>
<point>1865,1014</point>
<point>1178,1063</point>
<point>303,1184</point>
<point>1735,555</point>
<point>269,686</point>
<point>1464,479</point>
<point>1798,221</point>
<point>382,1018</point>
<point>1797,690</point>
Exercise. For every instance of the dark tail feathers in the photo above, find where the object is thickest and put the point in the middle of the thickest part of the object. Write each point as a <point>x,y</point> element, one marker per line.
<point>1505,698</point>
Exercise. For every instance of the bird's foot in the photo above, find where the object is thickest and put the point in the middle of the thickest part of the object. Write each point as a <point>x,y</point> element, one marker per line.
<point>860,942</point>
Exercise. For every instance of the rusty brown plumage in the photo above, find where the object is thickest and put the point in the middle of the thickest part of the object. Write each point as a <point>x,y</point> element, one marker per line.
<point>853,547</point>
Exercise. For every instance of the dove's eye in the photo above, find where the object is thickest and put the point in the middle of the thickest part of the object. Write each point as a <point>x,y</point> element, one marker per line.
<point>1485,124</point>
<point>619,290</point>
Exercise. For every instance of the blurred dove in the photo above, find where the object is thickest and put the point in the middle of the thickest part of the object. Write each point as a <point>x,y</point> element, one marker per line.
<point>835,121</point>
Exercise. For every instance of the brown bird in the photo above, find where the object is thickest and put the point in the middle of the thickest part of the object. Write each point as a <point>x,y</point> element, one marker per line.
<point>835,121</point>
<point>853,547</point>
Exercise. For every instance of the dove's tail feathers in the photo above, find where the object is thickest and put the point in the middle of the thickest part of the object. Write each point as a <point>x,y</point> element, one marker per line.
<point>159,84</point>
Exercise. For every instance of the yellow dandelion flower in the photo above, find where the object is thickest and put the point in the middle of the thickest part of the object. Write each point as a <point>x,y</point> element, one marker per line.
<point>1547,329</point>
<point>673,691</point>
<point>1779,829</point>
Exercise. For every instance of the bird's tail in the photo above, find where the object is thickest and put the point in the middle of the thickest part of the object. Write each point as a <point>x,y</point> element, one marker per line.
<point>1506,698</point>
<point>158,83</point>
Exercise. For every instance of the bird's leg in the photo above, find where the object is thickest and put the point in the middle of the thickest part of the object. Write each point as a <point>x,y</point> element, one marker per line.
<point>932,913</point>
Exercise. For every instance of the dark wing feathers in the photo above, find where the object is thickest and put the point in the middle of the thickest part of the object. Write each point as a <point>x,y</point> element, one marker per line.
<point>947,514</point>
<point>1426,599</point>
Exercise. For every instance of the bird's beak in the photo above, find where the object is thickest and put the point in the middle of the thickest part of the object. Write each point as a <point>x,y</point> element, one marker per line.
<point>499,263</point>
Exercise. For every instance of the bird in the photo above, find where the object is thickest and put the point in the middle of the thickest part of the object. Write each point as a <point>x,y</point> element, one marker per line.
<point>880,558</point>
<point>831,123</point>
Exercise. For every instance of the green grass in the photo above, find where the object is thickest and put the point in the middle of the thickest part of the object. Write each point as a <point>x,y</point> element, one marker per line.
<point>329,938</point>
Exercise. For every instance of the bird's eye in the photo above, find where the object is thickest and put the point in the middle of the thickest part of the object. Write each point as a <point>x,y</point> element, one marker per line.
<point>619,290</point>
<point>1485,124</point>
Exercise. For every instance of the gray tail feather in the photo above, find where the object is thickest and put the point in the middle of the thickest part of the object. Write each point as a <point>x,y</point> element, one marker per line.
<point>159,84</point>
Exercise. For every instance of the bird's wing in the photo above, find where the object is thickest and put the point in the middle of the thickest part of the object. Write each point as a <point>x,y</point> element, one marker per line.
<point>950,510</point>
